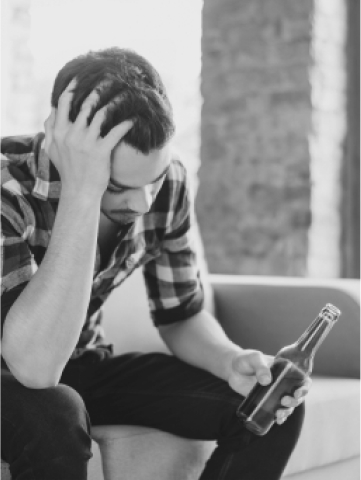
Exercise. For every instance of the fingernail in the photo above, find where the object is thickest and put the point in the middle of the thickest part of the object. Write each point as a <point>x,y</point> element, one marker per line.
<point>265,379</point>
<point>72,83</point>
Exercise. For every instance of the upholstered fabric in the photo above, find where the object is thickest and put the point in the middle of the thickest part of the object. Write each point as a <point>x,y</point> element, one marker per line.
<point>5,473</point>
<point>331,429</point>
<point>138,453</point>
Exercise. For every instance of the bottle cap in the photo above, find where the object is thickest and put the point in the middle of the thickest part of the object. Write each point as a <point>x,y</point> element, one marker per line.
<point>331,312</point>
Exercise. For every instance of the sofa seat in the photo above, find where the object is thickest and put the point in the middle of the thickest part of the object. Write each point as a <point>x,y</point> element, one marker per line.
<point>331,429</point>
<point>138,453</point>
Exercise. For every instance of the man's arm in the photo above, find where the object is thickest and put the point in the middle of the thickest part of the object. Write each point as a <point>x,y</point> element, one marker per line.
<point>175,296</point>
<point>43,325</point>
<point>201,341</point>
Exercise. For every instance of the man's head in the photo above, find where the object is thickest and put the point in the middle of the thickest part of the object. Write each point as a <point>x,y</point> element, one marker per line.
<point>131,87</point>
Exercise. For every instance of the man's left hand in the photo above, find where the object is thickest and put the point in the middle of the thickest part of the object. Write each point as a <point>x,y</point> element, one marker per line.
<point>251,366</point>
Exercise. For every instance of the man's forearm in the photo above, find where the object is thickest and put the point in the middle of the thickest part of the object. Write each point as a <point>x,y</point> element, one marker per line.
<point>43,326</point>
<point>202,342</point>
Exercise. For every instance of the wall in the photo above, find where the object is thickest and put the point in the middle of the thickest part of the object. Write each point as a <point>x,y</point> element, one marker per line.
<point>254,196</point>
<point>268,96</point>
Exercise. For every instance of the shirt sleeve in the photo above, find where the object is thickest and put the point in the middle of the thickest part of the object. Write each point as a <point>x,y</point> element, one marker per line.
<point>17,261</point>
<point>172,279</point>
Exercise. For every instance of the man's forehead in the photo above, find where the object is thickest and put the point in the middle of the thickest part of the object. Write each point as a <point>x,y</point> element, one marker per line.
<point>133,169</point>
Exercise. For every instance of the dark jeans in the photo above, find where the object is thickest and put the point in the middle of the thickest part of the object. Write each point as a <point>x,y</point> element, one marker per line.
<point>45,433</point>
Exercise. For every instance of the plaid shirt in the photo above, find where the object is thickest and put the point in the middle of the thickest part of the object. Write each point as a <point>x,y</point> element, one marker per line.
<point>161,241</point>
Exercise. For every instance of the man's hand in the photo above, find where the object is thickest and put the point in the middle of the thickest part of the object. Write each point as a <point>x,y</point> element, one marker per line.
<point>251,366</point>
<point>80,155</point>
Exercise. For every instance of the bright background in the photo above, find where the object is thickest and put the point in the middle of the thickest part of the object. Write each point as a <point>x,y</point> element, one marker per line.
<point>166,32</point>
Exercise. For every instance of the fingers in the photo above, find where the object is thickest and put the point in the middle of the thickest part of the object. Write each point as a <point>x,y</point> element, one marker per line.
<point>117,133</point>
<point>62,114</point>
<point>114,136</point>
<point>86,108</point>
<point>290,403</point>
<point>255,363</point>
<point>298,396</point>
<point>260,364</point>
<point>302,391</point>
<point>98,119</point>
<point>283,414</point>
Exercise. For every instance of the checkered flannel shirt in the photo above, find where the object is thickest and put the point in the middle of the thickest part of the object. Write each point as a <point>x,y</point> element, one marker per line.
<point>161,241</point>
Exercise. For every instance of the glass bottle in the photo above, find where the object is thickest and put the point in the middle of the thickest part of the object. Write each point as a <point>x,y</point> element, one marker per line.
<point>290,369</point>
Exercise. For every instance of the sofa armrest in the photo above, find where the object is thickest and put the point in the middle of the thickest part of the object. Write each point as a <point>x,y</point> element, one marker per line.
<point>267,313</point>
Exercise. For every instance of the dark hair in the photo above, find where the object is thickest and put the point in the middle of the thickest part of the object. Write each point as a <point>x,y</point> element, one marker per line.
<point>131,87</point>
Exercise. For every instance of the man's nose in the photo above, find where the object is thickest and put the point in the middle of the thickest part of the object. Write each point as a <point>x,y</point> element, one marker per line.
<point>141,200</point>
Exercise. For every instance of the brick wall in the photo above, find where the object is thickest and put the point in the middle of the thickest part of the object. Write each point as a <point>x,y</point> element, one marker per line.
<point>253,201</point>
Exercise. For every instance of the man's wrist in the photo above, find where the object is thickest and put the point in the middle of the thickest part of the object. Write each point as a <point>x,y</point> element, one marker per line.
<point>81,197</point>
<point>233,352</point>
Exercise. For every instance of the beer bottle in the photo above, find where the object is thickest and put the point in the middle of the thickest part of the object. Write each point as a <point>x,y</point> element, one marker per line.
<point>290,369</point>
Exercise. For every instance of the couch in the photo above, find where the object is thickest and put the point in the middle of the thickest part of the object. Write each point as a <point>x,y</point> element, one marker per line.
<point>265,313</point>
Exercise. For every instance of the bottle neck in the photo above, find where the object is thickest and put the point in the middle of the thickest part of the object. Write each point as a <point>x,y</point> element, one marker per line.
<point>313,337</point>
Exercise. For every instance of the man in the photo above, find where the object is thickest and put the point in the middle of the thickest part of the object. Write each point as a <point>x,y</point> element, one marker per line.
<point>97,196</point>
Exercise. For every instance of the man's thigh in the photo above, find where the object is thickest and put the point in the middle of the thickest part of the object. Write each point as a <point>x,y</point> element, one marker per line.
<point>158,391</point>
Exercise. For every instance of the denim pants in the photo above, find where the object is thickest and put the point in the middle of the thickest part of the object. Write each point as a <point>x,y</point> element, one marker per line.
<point>45,433</point>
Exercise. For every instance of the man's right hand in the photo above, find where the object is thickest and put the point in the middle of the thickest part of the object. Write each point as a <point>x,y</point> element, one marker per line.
<point>80,154</point>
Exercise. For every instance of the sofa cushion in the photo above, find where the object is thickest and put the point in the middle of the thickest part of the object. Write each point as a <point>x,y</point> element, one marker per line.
<point>331,428</point>
<point>141,453</point>
<point>5,473</point>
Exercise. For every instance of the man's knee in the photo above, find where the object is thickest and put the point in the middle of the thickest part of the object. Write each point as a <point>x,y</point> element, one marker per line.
<point>53,421</point>
<point>236,435</point>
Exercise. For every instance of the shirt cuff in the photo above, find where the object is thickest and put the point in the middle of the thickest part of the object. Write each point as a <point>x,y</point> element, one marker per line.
<point>182,312</point>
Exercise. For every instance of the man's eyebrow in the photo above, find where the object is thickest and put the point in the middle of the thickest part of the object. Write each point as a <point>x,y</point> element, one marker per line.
<point>121,185</point>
